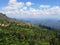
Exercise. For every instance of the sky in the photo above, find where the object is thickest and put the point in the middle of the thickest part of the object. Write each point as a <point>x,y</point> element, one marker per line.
<point>30,8</point>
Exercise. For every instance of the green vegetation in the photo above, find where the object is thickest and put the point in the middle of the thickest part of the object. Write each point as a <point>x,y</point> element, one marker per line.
<point>14,32</point>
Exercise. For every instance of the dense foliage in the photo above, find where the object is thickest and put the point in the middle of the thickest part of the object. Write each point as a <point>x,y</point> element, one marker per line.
<point>20,33</point>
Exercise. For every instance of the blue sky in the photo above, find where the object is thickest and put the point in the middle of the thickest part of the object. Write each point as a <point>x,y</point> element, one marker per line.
<point>45,2</point>
<point>30,8</point>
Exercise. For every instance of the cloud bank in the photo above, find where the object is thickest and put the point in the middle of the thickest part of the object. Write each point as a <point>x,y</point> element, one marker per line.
<point>25,9</point>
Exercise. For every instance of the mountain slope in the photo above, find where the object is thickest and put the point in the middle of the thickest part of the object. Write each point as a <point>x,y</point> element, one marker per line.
<point>48,22</point>
<point>22,33</point>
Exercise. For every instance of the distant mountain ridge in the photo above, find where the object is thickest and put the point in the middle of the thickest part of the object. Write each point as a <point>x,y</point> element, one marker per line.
<point>52,23</point>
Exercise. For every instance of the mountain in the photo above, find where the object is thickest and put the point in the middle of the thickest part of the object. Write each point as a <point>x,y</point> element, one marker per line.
<point>48,22</point>
<point>6,20</point>
<point>15,32</point>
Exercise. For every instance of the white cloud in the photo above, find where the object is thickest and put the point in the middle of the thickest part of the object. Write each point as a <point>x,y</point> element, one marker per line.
<point>24,8</point>
<point>29,3</point>
<point>20,8</point>
<point>44,6</point>
<point>12,2</point>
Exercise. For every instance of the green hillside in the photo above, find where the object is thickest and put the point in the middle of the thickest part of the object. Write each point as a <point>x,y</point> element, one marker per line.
<point>15,32</point>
